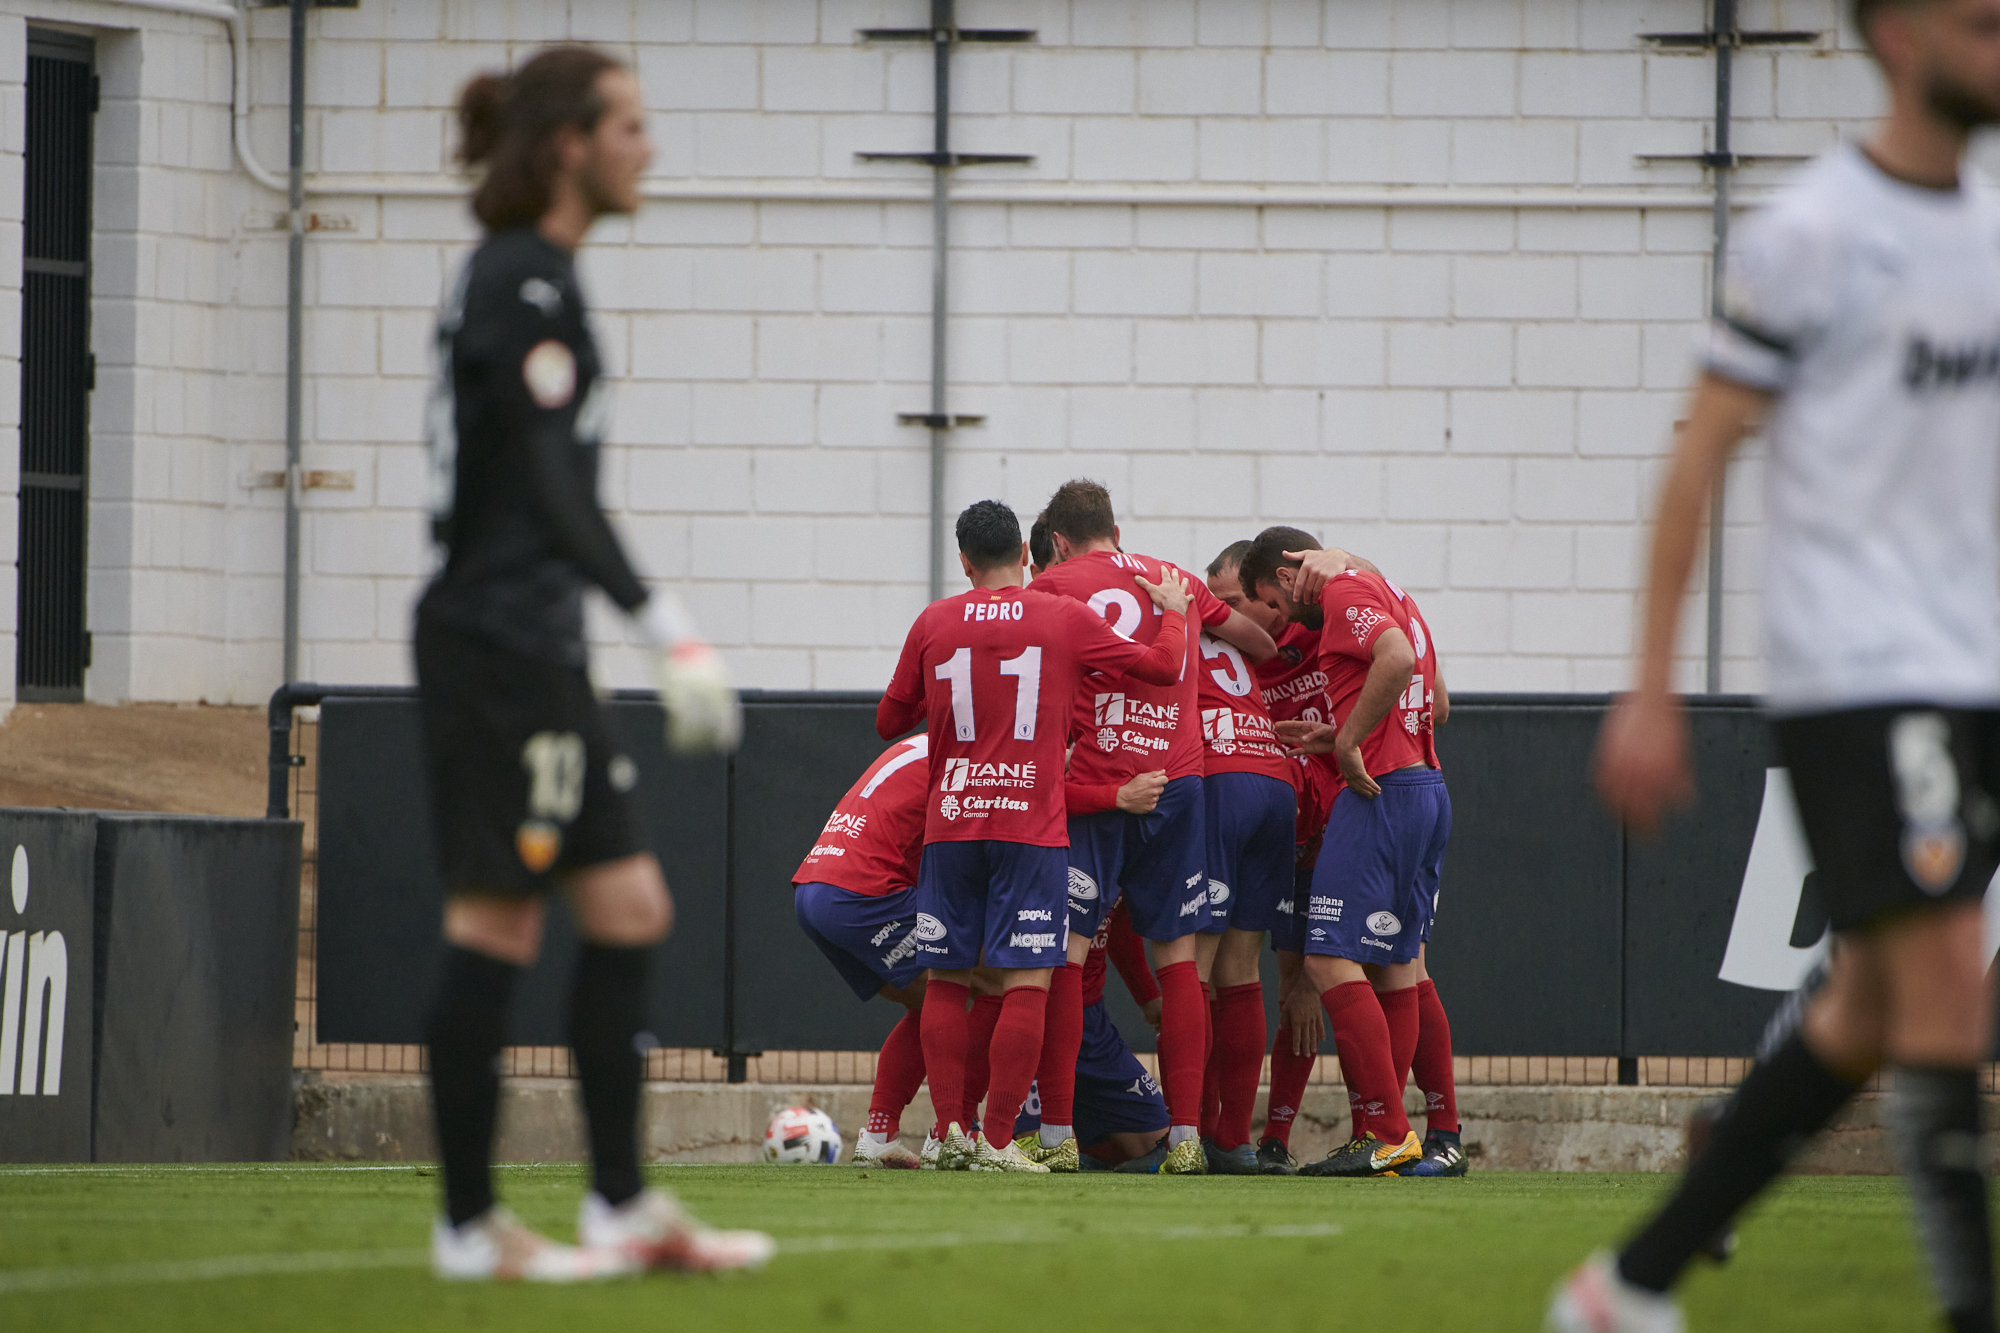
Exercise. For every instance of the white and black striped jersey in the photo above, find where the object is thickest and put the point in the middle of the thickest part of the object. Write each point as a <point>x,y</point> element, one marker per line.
<point>1870,308</point>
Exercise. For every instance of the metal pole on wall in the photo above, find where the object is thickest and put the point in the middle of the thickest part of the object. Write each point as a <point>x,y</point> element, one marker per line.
<point>1721,161</point>
<point>941,37</point>
<point>295,264</point>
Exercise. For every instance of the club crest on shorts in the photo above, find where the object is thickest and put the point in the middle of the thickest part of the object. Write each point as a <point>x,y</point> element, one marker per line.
<point>537,842</point>
<point>1934,857</point>
<point>1927,796</point>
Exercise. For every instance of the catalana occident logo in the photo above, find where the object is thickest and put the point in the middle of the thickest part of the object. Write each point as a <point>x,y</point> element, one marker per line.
<point>34,999</point>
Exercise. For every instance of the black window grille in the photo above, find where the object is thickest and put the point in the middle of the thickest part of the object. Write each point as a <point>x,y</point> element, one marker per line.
<point>57,372</point>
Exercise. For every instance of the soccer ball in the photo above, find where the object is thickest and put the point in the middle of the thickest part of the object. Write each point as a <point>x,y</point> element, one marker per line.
<point>802,1135</point>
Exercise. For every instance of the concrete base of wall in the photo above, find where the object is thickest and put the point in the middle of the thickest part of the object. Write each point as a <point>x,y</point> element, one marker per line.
<point>387,1118</point>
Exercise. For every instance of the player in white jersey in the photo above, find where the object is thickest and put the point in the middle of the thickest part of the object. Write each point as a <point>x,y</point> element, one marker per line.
<point>1862,324</point>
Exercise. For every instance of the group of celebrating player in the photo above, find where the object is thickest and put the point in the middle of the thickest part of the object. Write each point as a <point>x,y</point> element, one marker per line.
<point>1115,753</point>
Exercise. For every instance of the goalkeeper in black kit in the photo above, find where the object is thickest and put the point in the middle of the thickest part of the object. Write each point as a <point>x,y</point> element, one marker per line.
<point>528,793</point>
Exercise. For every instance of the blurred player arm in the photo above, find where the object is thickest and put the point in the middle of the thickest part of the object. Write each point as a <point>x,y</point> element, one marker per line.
<point>576,525</point>
<point>1642,754</point>
<point>1440,701</point>
<point>1139,795</point>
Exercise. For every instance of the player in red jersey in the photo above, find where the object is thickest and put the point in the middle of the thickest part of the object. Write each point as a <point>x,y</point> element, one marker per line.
<point>1374,888</point>
<point>994,672</point>
<point>1122,727</point>
<point>855,894</point>
<point>1249,788</point>
<point>1294,687</point>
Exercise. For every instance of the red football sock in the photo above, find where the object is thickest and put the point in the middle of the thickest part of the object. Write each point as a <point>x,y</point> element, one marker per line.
<point>898,1071</point>
<point>1017,1049</point>
<point>1062,1038</point>
<point>1239,1045</point>
<point>1433,1062</point>
<point>978,1043</point>
<point>1361,1034</point>
<point>944,1048</point>
<point>1183,1049</point>
<point>1399,1010</point>
<point>1289,1075</point>
<point>1211,1074</point>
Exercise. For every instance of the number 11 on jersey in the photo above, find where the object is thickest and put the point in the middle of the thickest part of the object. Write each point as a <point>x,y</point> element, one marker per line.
<point>1027,672</point>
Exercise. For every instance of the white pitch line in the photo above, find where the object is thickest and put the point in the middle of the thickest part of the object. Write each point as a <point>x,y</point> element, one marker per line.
<point>339,1261</point>
<point>204,1270</point>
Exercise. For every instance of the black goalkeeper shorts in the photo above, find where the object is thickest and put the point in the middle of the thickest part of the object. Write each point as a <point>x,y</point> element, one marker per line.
<point>1897,804</point>
<point>525,781</point>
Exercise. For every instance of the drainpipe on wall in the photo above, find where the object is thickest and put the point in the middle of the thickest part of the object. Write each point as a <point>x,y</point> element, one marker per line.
<point>295,267</point>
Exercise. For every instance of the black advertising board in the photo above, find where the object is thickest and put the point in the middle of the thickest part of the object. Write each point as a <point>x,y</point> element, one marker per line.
<point>198,934</point>
<point>47,979</point>
<point>380,901</point>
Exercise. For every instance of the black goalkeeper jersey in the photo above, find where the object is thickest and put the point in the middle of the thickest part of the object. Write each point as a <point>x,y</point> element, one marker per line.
<point>515,422</point>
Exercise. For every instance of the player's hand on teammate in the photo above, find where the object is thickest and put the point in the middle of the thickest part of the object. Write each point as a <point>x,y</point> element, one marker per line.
<point>1170,593</point>
<point>1141,793</point>
<point>1150,1011</point>
<point>1347,754</point>
<point>1307,737</point>
<point>1307,1016</point>
<point>1642,765</point>
<point>1315,569</point>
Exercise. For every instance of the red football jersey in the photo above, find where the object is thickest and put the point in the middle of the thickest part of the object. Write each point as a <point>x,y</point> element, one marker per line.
<point>1126,726</point>
<point>875,837</point>
<point>994,672</point>
<point>1294,682</point>
<point>1360,608</point>
<point>1235,727</point>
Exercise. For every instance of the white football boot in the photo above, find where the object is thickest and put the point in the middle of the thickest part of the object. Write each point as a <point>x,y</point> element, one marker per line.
<point>986,1157</point>
<point>495,1247</point>
<point>650,1230</point>
<point>1596,1299</point>
<point>889,1153</point>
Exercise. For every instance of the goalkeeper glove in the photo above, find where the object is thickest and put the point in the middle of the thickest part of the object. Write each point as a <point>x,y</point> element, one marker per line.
<point>703,713</point>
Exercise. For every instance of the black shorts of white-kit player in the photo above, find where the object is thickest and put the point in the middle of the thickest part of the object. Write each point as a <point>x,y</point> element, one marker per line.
<point>1897,804</point>
<point>525,781</point>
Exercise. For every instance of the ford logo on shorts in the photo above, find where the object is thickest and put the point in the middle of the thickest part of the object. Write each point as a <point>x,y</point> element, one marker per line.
<point>1218,892</point>
<point>1081,886</point>
<point>930,928</point>
<point>1384,923</point>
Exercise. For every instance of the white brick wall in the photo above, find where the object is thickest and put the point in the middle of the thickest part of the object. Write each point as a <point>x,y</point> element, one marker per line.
<point>1477,397</point>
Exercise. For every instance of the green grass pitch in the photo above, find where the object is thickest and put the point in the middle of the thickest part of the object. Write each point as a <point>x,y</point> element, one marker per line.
<point>342,1249</point>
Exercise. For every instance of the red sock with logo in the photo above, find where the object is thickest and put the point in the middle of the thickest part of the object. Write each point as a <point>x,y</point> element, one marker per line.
<point>1239,1045</point>
<point>898,1072</point>
<point>1361,1034</point>
<point>1062,1039</point>
<point>1289,1075</point>
<point>1183,1045</point>
<point>978,1045</point>
<point>1017,1049</point>
<point>1399,1010</point>
<point>1211,1073</point>
<point>1432,1065</point>
<point>944,1048</point>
